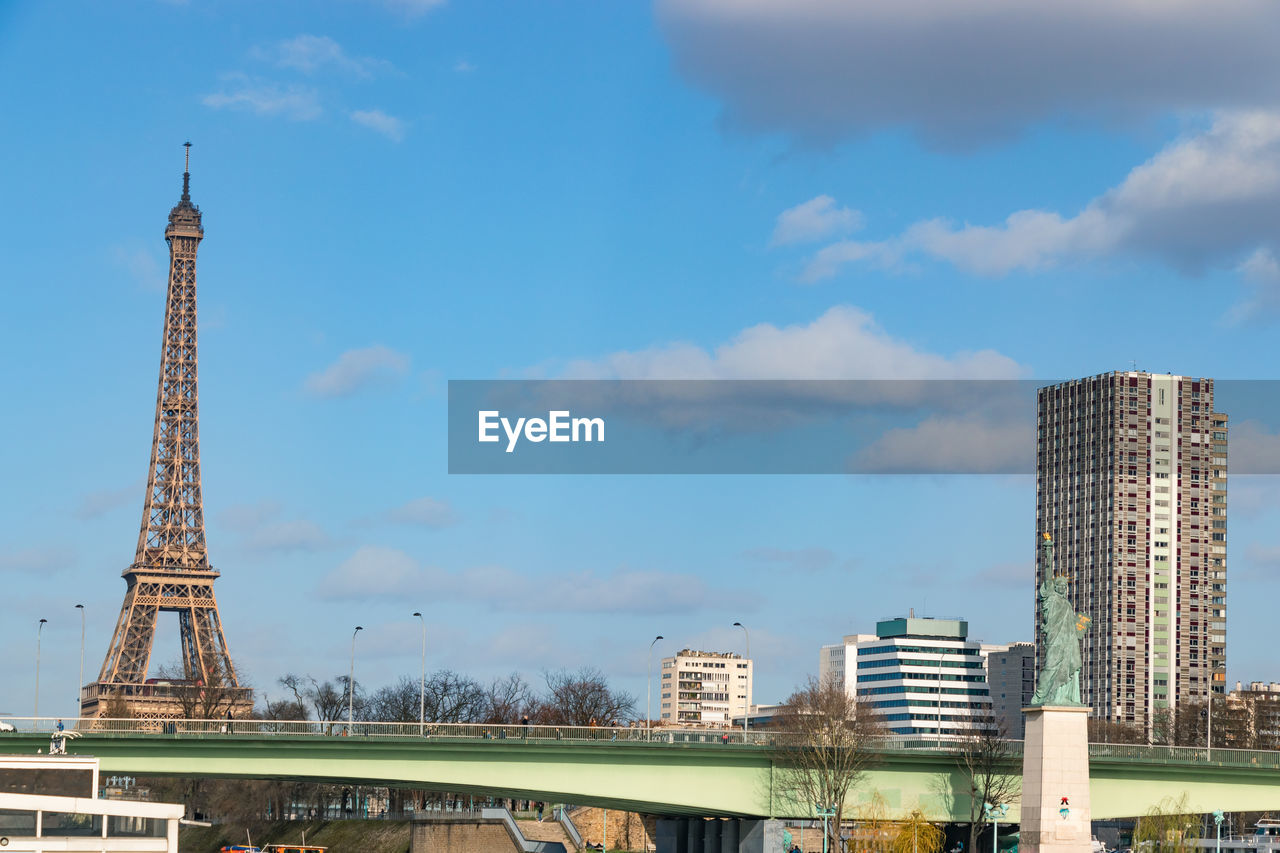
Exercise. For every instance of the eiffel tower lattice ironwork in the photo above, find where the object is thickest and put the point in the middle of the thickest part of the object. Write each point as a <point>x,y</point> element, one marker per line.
<point>171,571</point>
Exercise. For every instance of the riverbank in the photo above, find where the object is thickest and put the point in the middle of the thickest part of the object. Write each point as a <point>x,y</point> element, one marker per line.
<point>340,836</point>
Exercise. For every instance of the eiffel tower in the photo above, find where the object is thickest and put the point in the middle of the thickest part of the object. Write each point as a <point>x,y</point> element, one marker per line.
<point>170,571</point>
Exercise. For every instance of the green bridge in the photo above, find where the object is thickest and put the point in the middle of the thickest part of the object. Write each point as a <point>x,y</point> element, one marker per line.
<point>686,773</point>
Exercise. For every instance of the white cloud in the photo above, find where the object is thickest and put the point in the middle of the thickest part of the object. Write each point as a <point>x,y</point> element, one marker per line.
<point>1261,274</point>
<point>828,260</point>
<point>378,121</point>
<point>375,572</point>
<point>462,66</point>
<point>815,219</point>
<point>38,561</point>
<point>424,512</point>
<point>261,528</point>
<point>143,266</point>
<point>294,535</point>
<point>810,559</point>
<point>844,343</point>
<point>1255,449</point>
<point>309,54</point>
<point>1206,199</point>
<point>961,74</point>
<point>99,503</point>
<point>298,103</point>
<point>357,369</point>
<point>951,445</point>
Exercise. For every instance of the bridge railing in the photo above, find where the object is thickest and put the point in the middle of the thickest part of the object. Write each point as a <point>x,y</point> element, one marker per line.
<point>585,735</point>
<point>368,729</point>
<point>1187,755</point>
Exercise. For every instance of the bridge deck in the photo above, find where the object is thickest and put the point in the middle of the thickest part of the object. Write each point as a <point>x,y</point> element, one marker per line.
<point>674,772</point>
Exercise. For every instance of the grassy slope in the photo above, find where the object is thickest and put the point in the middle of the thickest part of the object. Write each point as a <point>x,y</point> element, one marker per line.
<point>340,836</point>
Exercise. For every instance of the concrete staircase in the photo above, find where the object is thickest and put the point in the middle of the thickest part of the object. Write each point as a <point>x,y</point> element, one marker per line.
<point>547,830</point>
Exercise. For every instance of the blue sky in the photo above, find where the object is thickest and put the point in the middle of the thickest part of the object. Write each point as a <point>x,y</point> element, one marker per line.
<point>404,192</point>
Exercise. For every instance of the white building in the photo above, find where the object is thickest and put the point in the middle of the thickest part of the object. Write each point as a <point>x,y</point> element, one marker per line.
<point>43,811</point>
<point>704,688</point>
<point>838,662</point>
<point>923,674</point>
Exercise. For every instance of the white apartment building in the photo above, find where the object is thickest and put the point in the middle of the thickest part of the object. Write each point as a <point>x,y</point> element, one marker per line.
<point>838,662</point>
<point>704,688</point>
<point>923,674</point>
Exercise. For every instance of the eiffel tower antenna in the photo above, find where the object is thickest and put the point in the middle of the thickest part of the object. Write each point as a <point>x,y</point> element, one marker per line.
<point>170,570</point>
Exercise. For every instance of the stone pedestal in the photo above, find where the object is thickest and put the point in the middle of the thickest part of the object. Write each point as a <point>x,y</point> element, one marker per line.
<point>1055,764</point>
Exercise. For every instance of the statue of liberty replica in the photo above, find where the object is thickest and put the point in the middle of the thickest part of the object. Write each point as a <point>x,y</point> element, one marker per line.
<point>1060,626</point>
<point>1055,758</point>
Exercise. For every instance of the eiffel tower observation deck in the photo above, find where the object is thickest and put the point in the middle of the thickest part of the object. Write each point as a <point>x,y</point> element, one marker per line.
<point>170,571</point>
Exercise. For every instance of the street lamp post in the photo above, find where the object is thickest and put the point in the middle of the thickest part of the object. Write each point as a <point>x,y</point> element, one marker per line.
<point>941,652</point>
<point>422,684</point>
<point>993,814</point>
<point>80,683</point>
<point>39,631</point>
<point>1217,820</point>
<point>351,681</point>
<point>648,691</point>
<point>746,710</point>
<point>826,814</point>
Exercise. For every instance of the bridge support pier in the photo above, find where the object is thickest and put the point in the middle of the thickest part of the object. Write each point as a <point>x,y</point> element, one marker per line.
<point>695,834</point>
<point>732,835</point>
<point>729,836</point>
<point>1055,781</point>
<point>671,835</point>
<point>711,836</point>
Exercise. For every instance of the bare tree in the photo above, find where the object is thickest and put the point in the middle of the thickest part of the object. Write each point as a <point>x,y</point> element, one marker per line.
<point>582,697</point>
<point>454,698</point>
<point>826,744</point>
<point>1112,731</point>
<point>987,760</point>
<point>209,700</point>
<point>395,703</point>
<point>508,698</point>
<point>282,709</point>
<point>327,701</point>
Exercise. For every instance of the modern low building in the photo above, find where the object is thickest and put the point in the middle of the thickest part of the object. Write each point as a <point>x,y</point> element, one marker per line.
<point>704,688</point>
<point>923,674</point>
<point>50,803</point>
<point>1011,678</point>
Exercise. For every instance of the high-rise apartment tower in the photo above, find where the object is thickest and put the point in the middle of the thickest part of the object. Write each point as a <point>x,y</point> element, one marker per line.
<point>1131,483</point>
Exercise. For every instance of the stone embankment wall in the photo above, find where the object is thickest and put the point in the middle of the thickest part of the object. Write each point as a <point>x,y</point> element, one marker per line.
<point>462,835</point>
<point>627,830</point>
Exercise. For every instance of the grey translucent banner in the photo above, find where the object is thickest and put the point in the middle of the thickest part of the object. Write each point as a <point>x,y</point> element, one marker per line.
<point>786,426</point>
